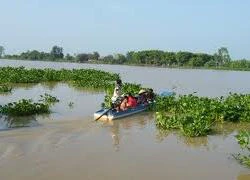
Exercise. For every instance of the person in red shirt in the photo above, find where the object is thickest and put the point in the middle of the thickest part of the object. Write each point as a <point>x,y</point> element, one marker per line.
<point>132,102</point>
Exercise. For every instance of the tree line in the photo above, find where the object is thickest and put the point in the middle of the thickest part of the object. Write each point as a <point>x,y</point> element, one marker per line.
<point>220,59</point>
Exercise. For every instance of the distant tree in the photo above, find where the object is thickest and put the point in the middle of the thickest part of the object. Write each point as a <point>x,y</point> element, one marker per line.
<point>69,57</point>
<point>196,61</point>
<point>34,55</point>
<point>108,58</point>
<point>96,55</point>
<point>211,63</point>
<point>183,57</point>
<point>82,57</point>
<point>119,59</point>
<point>223,52</point>
<point>199,59</point>
<point>129,56</point>
<point>170,58</point>
<point>1,51</point>
<point>56,53</point>
<point>91,56</point>
<point>222,56</point>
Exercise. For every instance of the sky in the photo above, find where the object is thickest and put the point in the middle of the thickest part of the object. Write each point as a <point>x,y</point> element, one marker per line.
<point>118,26</point>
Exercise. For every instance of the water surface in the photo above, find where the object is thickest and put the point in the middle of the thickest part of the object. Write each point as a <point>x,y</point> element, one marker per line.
<point>183,81</point>
<point>68,144</point>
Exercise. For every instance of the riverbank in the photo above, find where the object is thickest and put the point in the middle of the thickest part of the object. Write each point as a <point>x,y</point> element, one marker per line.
<point>219,68</point>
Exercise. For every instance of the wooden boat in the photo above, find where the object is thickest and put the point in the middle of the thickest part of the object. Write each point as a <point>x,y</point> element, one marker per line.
<point>114,114</point>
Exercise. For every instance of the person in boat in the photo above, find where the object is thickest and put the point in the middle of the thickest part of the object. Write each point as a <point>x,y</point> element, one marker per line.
<point>117,91</point>
<point>117,96</point>
<point>142,97</point>
<point>150,95</point>
<point>132,101</point>
<point>124,104</point>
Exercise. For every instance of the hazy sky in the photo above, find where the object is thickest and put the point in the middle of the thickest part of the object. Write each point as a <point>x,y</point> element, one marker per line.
<point>112,26</point>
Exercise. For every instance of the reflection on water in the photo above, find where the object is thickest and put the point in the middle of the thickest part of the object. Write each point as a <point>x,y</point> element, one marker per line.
<point>17,122</point>
<point>117,127</point>
<point>226,128</point>
<point>196,142</point>
<point>224,131</point>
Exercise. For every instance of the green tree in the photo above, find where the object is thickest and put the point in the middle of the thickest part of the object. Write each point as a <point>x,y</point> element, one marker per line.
<point>83,57</point>
<point>170,58</point>
<point>129,56</point>
<point>222,56</point>
<point>223,52</point>
<point>108,58</point>
<point>183,57</point>
<point>119,59</point>
<point>56,53</point>
<point>96,55</point>
<point>199,59</point>
<point>69,57</point>
<point>1,51</point>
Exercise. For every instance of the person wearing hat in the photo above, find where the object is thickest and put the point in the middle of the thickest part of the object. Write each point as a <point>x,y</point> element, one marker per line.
<point>117,91</point>
<point>150,95</point>
<point>142,98</point>
<point>142,91</point>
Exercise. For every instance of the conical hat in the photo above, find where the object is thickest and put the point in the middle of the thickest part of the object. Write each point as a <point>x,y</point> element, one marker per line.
<point>142,91</point>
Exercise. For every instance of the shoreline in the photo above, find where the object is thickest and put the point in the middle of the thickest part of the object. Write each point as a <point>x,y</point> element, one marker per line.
<point>137,65</point>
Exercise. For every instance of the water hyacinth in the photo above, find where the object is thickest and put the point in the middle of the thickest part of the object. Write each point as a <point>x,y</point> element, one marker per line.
<point>87,78</point>
<point>26,107</point>
<point>5,88</point>
<point>194,116</point>
<point>243,139</point>
<point>48,99</point>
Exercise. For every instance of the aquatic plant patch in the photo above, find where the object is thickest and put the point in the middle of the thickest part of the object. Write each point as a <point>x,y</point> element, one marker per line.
<point>87,78</point>
<point>26,107</point>
<point>5,88</point>
<point>48,99</point>
<point>195,116</point>
<point>243,139</point>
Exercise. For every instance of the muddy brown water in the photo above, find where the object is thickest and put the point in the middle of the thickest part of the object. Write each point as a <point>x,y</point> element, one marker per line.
<point>68,144</point>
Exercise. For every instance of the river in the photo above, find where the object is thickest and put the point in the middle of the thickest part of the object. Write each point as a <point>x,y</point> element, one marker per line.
<point>69,144</point>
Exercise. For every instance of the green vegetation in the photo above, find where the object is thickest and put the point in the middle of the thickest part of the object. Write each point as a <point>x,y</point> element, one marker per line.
<point>182,59</point>
<point>23,108</point>
<point>87,78</point>
<point>56,54</point>
<point>195,116</point>
<point>84,78</point>
<point>48,99</point>
<point>20,113</point>
<point>5,88</point>
<point>243,139</point>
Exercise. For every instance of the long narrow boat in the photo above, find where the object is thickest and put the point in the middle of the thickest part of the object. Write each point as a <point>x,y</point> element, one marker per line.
<point>110,114</point>
<point>114,114</point>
